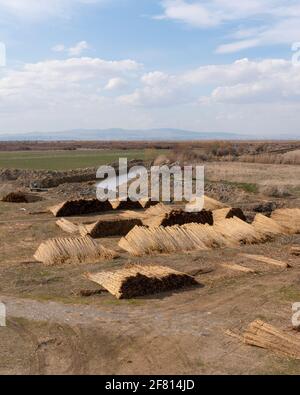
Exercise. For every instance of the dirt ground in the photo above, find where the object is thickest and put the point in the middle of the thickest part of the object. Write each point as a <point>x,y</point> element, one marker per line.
<point>52,330</point>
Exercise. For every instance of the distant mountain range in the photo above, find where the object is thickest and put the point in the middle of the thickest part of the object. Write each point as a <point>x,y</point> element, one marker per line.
<point>166,134</point>
<point>120,135</point>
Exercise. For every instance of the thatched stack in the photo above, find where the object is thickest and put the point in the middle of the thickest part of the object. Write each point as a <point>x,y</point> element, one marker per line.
<point>142,240</point>
<point>72,250</point>
<point>207,203</point>
<point>109,228</point>
<point>125,205</point>
<point>15,197</point>
<point>213,204</point>
<point>295,250</point>
<point>158,209</point>
<point>226,213</point>
<point>147,203</point>
<point>140,280</point>
<point>268,226</point>
<point>263,335</point>
<point>289,218</point>
<point>67,226</point>
<point>179,217</point>
<point>129,214</point>
<point>80,207</point>
<point>238,232</point>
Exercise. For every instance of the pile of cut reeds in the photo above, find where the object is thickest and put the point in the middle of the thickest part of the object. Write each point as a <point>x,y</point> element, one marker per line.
<point>72,250</point>
<point>289,218</point>
<point>80,207</point>
<point>140,280</point>
<point>109,228</point>
<point>263,335</point>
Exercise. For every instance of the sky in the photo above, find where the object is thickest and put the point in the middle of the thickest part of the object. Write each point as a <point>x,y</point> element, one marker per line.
<point>209,66</point>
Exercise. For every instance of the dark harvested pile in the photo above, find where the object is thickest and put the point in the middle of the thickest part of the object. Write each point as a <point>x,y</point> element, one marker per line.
<point>80,207</point>
<point>109,228</point>
<point>225,213</point>
<point>15,197</point>
<point>140,280</point>
<point>125,205</point>
<point>180,217</point>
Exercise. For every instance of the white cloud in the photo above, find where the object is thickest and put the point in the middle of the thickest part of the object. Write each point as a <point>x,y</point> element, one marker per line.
<point>36,9</point>
<point>260,22</point>
<point>51,82</point>
<point>60,94</point>
<point>78,48</point>
<point>237,46</point>
<point>243,81</point>
<point>115,84</point>
<point>194,14</point>
<point>158,89</point>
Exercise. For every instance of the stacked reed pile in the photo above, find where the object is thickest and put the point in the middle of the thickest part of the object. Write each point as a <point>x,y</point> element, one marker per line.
<point>206,203</point>
<point>109,228</point>
<point>147,203</point>
<point>179,217</point>
<point>295,250</point>
<point>67,226</point>
<point>72,250</point>
<point>140,280</point>
<point>227,233</point>
<point>268,226</point>
<point>125,205</point>
<point>289,218</point>
<point>229,212</point>
<point>80,207</point>
<point>239,232</point>
<point>15,197</point>
<point>158,209</point>
<point>263,335</point>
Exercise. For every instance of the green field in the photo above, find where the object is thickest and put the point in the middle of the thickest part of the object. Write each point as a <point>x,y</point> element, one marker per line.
<point>66,160</point>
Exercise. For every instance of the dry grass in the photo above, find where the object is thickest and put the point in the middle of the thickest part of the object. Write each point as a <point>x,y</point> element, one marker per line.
<point>289,158</point>
<point>253,173</point>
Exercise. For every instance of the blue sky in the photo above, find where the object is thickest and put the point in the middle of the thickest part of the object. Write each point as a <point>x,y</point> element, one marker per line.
<point>209,66</point>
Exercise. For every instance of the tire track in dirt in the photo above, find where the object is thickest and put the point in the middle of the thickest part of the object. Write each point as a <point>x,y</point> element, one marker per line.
<point>37,363</point>
<point>63,351</point>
